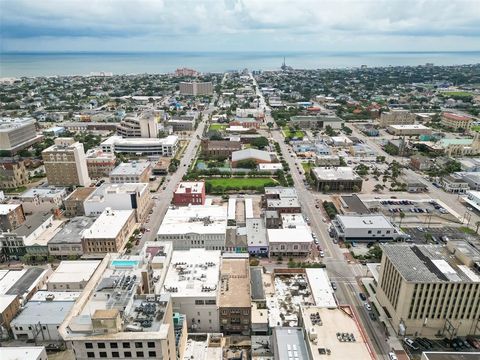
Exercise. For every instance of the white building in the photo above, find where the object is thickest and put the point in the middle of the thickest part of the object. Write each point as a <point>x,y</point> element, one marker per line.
<point>473,198</point>
<point>131,172</point>
<point>195,226</point>
<point>144,126</point>
<point>72,275</point>
<point>409,130</point>
<point>129,196</point>
<point>42,199</point>
<point>366,228</point>
<point>17,133</point>
<point>167,146</point>
<point>321,287</point>
<point>23,352</point>
<point>192,282</point>
<point>290,241</point>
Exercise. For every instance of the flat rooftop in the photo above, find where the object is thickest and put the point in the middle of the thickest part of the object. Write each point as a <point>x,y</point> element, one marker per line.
<point>80,194</point>
<point>107,189</point>
<point>193,187</point>
<point>234,283</point>
<point>428,263</point>
<point>108,224</point>
<point>198,347</point>
<point>256,232</point>
<point>118,140</point>
<point>409,127</point>
<point>45,295</point>
<point>21,352</point>
<point>283,202</point>
<point>130,168</point>
<point>322,291</point>
<point>72,231</point>
<point>323,325</point>
<point>8,124</point>
<point>50,192</point>
<point>335,173</point>
<point>32,223</point>
<point>365,221</point>
<point>290,343</point>
<point>43,312</point>
<point>282,192</point>
<point>301,234</point>
<point>18,282</point>
<point>46,235</point>
<point>7,208</point>
<point>352,203</point>
<point>196,219</point>
<point>74,271</point>
<point>193,273</point>
<point>292,220</point>
<point>439,355</point>
<point>5,301</point>
<point>256,283</point>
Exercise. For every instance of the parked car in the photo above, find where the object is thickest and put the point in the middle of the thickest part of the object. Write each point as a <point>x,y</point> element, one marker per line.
<point>367,306</point>
<point>392,356</point>
<point>410,343</point>
<point>334,286</point>
<point>362,296</point>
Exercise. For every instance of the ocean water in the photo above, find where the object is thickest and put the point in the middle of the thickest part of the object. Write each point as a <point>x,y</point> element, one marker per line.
<point>48,64</point>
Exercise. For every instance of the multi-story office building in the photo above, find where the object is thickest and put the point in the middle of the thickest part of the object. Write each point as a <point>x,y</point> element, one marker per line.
<point>336,179</point>
<point>11,216</point>
<point>189,193</point>
<point>65,163</point>
<point>317,122</point>
<point>365,228</point>
<point>131,172</point>
<point>119,316</point>
<point>99,163</point>
<point>234,297</point>
<point>74,203</point>
<point>409,130</point>
<point>456,122</point>
<point>396,117</point>
<point>196,88</point>
<point>13,173</point>
<point>42,199</point>
<point>195,226</point>
<point>129,196</point>
<point>109,232</point>
<point>144,126</point>
<point>193,283</point>
<point>167,146</point>
<point>17,134</point>
<point>431,290</point>
<point>182,123</point>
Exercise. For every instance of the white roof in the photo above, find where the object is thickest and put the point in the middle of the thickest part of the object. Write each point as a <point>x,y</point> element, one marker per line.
<point>103,191</point>
<point>7,208</point>
<point>335,173</point>
<point>118,140</point>
<point>275,166</point>
<point>232,207</point>
<point>197,219</point>
<point>50,192</point>
<point>292,220</point>
<point>8,278</point>
<point>249,154</point>
<point>322,291</point>
<point>301,234</point>
<point>22,352</point>
<point>365,221</point>
<point>108,224</point>
<point>248,208</point>
<point>5,301</point>
<point>196,187</point>
<point>74,271</point>
<point>191,271</point>
<point>42,295</point>
<point>409,127</point>
<point>130,168</point>
<point>42,239</point>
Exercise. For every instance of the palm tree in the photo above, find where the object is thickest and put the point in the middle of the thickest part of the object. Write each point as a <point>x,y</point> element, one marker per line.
<point>402,215</point>
<point>478,226</point>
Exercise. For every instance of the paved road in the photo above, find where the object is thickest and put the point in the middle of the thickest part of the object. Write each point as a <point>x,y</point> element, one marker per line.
<point>338,268</point>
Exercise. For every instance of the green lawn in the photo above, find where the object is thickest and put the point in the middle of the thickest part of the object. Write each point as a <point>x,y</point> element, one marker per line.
<point>241,182</point>
<point>218,127</point>
<point>476,128</point>
<point>307,166</point>
<point>456,93</point>
<point>296,134</point>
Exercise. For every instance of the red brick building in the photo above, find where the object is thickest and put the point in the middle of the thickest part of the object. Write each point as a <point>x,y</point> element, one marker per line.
<point>189,193</point>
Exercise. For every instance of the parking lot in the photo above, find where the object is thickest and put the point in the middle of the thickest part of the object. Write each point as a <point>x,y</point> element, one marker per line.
<point>426,212</point>
<point>470,344</point>
<point>435,235</point>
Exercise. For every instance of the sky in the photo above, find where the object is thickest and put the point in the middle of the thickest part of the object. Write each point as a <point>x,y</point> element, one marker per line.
<point>239,25</point>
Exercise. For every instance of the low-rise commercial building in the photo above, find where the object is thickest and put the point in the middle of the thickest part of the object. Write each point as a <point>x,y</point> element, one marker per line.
<point>23,283</point>
<point>99,163</point>
<point>65,163</point>
<point>74,203</point>
<point>257,242</point>
<point>317,122</point>
<point>336,179</point>
<point>456,122</point>
<point>409,130</point>
<point>11,216</point>
<point>23,352</point>
<point>286,341</point>
<point>109,233</point>
<point>182,123</point>
<point>234,297</point>
<point>189,193</point>
<point>366,228</point>
<point>193,283</point>
<point>127,196</point>
<point>167,146</point>
<point>42,199</point>
<point>72,275</point>
<point>473,198</point>
<point>454,184</point>
<point>430,290</point>
<point>290,241</point>
<point>195,226</point>
<point>131,172</point>
<point>68,241</point>
<point>119,316</point>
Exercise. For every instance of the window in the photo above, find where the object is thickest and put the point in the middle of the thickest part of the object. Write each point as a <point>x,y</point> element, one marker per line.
<point>113,345</point>
<point>90,354</point>
<point>138,345</point>
<point>127,354</point>
<point>151,344</point>
<point>103,354</point>
<point>88,345</point>
<point>115,354</point>
<point>139,353</point>
<point>126,345</point>
<point>152,354</point>
<point>101,345</point>
<point>369,231</point>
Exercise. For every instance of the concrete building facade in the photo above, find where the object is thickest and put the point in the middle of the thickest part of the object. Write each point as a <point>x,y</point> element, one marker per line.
<point>196,88</point>
<point>13,173</point>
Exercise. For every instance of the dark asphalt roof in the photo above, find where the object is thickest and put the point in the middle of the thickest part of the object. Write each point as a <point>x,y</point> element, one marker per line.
<point>27,279</point>
<point>256,284</point>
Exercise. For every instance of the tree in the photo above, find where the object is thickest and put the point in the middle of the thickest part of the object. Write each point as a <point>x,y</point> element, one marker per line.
<point>270,125</point>
<point>246,164</point>
<point>326,188</point>
<point>478,226</point>
<point>260,142</point>
<point>402,216</point>
<point>355,189</point>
